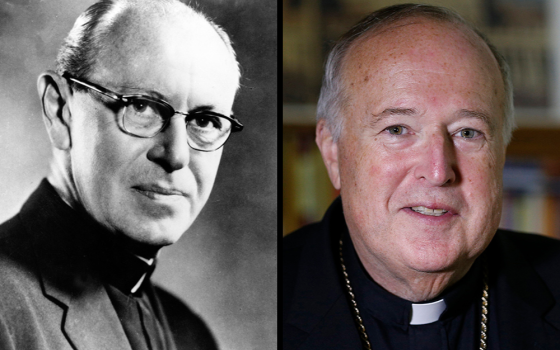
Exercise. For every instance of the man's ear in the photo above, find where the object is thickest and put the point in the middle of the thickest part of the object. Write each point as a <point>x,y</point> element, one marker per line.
<point>54,92</point>
<point>329,151</point>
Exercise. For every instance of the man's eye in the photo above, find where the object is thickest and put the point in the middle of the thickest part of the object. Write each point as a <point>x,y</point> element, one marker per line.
<point>139,105</point>
<point>201,121</point>
<point>207,122</point>
<point>396,129</point>
<point>468,133</point>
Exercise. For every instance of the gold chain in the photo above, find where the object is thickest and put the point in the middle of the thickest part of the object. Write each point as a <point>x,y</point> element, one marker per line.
<point>362,328</point>
<point>484,321</point>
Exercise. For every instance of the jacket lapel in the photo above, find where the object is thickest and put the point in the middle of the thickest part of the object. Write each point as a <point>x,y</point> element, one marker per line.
<point>90,321</point>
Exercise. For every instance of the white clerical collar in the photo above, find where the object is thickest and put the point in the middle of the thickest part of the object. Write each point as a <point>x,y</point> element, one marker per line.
<point>139,283</point>
<point>147,261</point>
<point>427,313</point>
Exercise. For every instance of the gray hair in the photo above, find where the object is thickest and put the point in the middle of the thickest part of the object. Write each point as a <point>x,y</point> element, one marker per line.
<point>92,30</point>
<point>333,96</point>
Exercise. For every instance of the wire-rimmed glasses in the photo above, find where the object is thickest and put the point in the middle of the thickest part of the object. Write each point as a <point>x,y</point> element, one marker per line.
<point>145,116</point>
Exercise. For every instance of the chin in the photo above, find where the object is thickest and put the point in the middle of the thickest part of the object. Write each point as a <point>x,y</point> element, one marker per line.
<point>157,233</point>
<point>431,267</point>
<point>433,259</point>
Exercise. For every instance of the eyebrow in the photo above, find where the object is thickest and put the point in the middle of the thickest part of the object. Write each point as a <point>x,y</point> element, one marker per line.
<point>204,108</point>
<point>463,113</point>
<point>153,93</point>
<point>142,91</point>
<point>392,111</point>
<point>478,115</point>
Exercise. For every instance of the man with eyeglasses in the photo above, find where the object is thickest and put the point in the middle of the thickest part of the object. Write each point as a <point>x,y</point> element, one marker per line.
<point>138,112</point>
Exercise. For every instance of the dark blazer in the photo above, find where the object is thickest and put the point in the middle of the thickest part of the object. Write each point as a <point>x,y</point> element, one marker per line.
<point>51,299</point>
<point>524,284</point>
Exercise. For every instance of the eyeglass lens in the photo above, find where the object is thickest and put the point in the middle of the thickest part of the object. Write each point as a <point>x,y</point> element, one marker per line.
<point>145,118</point>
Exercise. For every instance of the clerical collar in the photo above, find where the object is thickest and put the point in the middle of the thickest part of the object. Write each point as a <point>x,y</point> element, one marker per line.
<point>425,313</point>
<point>390,309</point>
<point>123,269</point>
<point>147,273</point>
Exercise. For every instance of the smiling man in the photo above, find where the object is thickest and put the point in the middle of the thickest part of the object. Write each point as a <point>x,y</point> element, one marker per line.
<point>414,117</point>
<point>137,112</point>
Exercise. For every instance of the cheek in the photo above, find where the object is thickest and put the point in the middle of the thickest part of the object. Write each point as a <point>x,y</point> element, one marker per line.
<point>390,167</point>
<point>483,183</point>
<point>372,174</point>
<point>481,171</point>
<point>204,167</point>
<point>102,156</point>
<point>112,156</point>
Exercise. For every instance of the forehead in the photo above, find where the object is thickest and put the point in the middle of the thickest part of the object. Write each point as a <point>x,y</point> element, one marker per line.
<point>167,54</point>
<point>421,51</point>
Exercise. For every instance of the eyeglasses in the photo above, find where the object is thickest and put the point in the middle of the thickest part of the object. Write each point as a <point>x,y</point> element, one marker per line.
<point>145,116</point>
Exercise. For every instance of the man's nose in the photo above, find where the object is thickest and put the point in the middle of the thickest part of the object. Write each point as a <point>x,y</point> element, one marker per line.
<point>171,151</point>
<point>437,160</point>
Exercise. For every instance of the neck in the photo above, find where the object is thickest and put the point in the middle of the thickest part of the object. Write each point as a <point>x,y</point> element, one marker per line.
<point>140,249</point>
<point>409,284</point>
<point>60,178</point>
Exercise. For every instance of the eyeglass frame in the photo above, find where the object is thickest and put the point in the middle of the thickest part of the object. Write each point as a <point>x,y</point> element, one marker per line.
<point>126,99</point>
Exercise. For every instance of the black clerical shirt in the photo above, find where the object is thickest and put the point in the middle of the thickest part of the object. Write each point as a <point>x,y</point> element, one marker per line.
<point>127,282</point>
<point>137,307</point>
<point>387,317</point>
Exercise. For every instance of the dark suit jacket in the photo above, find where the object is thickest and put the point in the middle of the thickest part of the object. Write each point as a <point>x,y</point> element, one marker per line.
<point>51,299</point>
<point>524,286</point>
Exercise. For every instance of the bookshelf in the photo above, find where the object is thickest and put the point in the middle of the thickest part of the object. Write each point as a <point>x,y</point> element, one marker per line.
<point>531,179</point>
<point>307,190</point>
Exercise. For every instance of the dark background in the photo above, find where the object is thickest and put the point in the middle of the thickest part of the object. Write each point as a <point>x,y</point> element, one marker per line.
<point>224,266</point>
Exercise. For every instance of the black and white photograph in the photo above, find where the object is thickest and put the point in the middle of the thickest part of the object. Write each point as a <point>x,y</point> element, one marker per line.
<point>138,168</point>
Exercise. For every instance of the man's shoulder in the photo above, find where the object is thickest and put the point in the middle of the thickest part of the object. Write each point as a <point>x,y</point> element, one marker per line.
<point>308,263</point>
<point>188,328</point>
<point>10,228</point>
<point>17,253</point>
<point>542,253</point>
<point>297,239</point>
<point>15,245</point>
<point>18,270</point>
<point>293,247</point>
<point>311,233</point>
<point>534,247</point>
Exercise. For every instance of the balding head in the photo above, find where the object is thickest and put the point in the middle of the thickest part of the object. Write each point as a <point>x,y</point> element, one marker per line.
<point>334,96</point>
<point>103,25</point>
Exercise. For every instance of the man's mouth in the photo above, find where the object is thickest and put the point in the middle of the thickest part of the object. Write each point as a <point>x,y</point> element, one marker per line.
<point>155,192</point>
<point>427,211</point>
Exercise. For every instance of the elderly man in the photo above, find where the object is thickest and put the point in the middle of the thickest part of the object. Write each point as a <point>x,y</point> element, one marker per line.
<point>414,117</point>
<point>137,113</point>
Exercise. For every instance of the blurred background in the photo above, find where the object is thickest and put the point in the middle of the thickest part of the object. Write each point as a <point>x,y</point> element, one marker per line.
<point>526,32</point>
<point>224,267</point>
